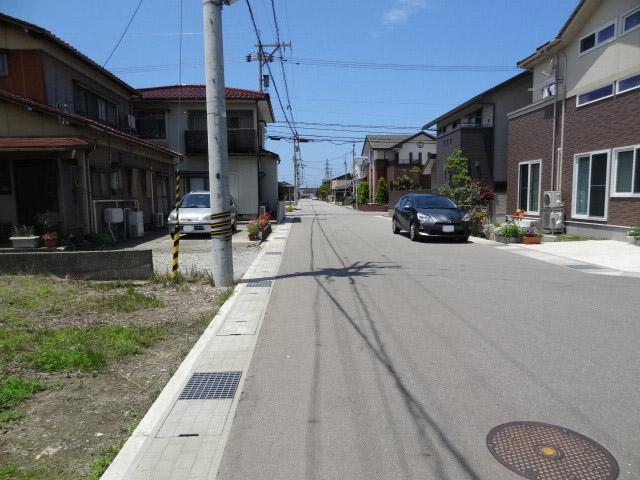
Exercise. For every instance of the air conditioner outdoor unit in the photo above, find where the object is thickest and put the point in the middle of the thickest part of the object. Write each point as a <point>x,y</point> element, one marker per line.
<point>552,199</point>
<point>553,219</point>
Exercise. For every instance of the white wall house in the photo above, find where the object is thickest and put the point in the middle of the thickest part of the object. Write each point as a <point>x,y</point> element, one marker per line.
<point>175,116</point>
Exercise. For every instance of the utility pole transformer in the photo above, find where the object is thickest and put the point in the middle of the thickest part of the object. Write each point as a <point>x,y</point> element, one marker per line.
<point>217,143</point>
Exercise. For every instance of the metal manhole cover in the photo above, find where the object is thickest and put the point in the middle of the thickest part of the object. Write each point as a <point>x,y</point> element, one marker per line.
<point>539,451</point>
<point>259,283</point>
<point>209,386</point>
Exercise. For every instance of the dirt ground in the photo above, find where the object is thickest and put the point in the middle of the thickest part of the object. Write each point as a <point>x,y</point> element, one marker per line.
<point>68,430</point>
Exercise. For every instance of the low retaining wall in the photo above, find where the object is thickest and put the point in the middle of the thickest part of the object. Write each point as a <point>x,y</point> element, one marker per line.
<point>371,208</point>
<point>98,265</point>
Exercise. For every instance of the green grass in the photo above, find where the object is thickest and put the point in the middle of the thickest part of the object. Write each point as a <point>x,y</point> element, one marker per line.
<point>24,300</point>
<point>13,390</point>
<point>71,348</point>
<point>101,463</point>
<point>11,472</point>
<point>192,275</point>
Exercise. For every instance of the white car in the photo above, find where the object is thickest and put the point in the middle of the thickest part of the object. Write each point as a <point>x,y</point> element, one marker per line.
<point>193,215</point>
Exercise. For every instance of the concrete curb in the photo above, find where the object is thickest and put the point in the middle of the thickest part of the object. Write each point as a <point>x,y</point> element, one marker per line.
<point>138,443</point>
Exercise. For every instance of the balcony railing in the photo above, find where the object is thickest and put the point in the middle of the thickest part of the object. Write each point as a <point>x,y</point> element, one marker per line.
<point>240,140</point>
<point>406,161</point>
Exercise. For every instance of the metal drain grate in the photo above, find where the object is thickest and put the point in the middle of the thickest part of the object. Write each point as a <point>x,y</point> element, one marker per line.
<point>585,267</point>
<point>273,253</point>
<point>539,451</point>
<point>209,386</point>
<point>259,283</point>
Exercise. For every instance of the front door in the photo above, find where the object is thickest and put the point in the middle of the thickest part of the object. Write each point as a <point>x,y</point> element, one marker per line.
<point>36,183</point>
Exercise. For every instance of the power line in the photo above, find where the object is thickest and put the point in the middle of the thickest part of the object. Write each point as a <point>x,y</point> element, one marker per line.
<point>322,124</point>
<point>123,33</point>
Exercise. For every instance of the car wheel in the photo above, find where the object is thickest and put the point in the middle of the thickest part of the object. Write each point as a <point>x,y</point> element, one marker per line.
<point>413,232</point>
<point>394,227</point>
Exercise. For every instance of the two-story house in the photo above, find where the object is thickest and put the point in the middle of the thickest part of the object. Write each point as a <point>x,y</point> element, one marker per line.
<point>391,156</point>
<point>66,140</point>
<point>580,133</point>
<point>175,117</point>
<point>479,128</point>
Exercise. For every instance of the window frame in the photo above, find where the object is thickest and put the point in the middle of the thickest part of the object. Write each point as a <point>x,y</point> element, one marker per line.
<point>4,63</point>
<point>614,171</point>
<point>137,115</point>
<point>613,92</point>
<point>529,163</point>
<point>595,32</point>
<point>574,187</point>
<point>618,91</point>
<point>624,16</point>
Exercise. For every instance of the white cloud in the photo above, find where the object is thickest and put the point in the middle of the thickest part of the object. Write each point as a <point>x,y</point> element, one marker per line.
<point>401,10</point>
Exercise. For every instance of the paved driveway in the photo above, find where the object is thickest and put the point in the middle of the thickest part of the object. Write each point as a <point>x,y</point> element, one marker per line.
<point>380,358</point>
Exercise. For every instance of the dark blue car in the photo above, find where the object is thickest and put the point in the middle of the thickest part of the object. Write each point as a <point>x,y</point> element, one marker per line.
<point>430,215</point>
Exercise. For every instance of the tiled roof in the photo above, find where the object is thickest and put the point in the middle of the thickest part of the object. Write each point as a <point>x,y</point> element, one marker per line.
<point>197,92</point>
<point>42,143</point>
<point>35,29</point>
<point>390,141</point>
<point>74,117</point>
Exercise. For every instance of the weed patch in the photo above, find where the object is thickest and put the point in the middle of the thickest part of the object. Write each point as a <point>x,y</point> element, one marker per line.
<point>13,390</point>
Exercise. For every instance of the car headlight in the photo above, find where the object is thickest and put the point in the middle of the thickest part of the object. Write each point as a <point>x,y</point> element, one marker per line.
<point>172,217</point>
<point>466,217</point>
<point>423,217</point>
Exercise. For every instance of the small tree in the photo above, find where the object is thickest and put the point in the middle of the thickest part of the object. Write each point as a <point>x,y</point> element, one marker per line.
<point>457,165</point>
<point>363,193</point>
<point>382,192</point>
<point>404,182</point>
<point>323,191</point>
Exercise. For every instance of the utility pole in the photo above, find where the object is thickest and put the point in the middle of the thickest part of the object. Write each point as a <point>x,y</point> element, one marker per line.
<point>354,188</point>
<point>262,57</point>
<point>217,143</point>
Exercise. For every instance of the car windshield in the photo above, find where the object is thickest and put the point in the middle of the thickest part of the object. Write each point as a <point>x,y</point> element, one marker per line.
<point>434,202</point>
<point>195,200</point>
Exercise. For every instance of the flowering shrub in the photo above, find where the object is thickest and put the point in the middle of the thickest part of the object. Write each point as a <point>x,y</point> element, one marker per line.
<point>531,232</point>
<point>508,230</point>
<point>263,220</point>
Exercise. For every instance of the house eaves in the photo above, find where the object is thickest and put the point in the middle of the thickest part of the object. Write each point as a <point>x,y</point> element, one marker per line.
<point>32,105</point>
<point>46,34</point>
<point>477,99</point>
<point>582,9</point>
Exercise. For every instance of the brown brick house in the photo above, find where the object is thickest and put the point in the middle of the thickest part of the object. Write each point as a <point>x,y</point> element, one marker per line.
<point>580,135</point>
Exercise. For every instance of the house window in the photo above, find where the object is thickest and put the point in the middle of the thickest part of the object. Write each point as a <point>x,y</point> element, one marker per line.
<point>91,105</point>
<point>629,83</point>
<point>590,177</point>
<point>396,156</point>
<point>151,124</point>
<point>631,21</point>
<point>595,95</point>
<point>626,172</point>
<point>410,157</point>
<point>197,120</point>
<point>420,157</point>
<point>4,65</point>
<point>599,37</point>
<point>529,186</point>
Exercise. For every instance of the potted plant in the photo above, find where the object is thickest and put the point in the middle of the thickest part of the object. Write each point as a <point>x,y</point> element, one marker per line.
<point>253,229</point>
<point>633,236</point>
<point>508,233</point>
<point>22,236</point>
<point>264,225</point>
<point>531,237</point>
<point>49,222</point>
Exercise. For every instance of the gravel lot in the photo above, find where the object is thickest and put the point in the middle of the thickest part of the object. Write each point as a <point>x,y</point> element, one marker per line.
<point>195,253</point>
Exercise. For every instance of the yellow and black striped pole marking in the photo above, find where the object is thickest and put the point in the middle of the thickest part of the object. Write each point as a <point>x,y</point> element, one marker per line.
<point>176,232</point>
<point>221,226</point>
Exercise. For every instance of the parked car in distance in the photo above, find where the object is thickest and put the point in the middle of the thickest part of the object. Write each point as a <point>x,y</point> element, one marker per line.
<point>430,215</point>
<point>194,214</point>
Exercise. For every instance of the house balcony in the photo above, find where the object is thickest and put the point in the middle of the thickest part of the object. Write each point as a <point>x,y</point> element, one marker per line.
<point>240,140</point>
<point>406,162</point>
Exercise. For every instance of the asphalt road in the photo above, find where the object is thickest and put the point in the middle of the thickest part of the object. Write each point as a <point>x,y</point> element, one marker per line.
<point>380,358</point>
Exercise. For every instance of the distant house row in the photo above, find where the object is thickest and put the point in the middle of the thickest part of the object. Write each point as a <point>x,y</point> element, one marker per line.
<point>568,125</point>
<point>75,139</point>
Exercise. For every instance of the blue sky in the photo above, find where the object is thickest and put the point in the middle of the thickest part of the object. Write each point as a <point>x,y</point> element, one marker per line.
<point>424,32</point>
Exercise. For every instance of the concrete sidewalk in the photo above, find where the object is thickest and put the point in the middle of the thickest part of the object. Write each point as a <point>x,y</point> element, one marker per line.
<point>184,438</point>
<point>604,257</point>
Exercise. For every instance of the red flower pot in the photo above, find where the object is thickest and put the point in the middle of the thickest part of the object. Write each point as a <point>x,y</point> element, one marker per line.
<point>531,240</point>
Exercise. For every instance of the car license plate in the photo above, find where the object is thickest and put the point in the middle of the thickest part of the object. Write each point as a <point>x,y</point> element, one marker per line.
<point>448,228</point>
<point>187,228</point>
